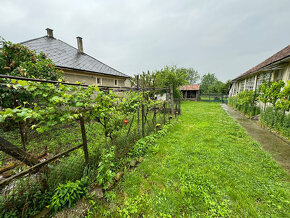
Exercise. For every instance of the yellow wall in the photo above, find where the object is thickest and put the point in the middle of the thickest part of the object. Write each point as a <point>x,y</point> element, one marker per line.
<point>90,78</point>
<point>274,76</point>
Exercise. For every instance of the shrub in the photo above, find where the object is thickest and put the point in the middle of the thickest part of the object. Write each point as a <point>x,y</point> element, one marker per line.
<point>245,102</point>
<point>277,120</point>
<point>66,195</point>
<point>105,171</point>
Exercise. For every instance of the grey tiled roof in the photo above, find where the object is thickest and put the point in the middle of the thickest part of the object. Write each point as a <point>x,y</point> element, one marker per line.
<point>66,56</point>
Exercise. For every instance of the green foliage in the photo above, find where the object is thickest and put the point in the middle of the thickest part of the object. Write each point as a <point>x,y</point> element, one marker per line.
<point>206,166</point>
<point>165,78</point>
<point>245,101</point>
<point>106,167</point>
<point>276,120</point>
<point>31,201</point>
<point>270,92</point>
<point>192,76</point>
<point>142,145</point>
<point>207,81</point>
<point>198,190</point>
<point>283,102</point>
<point>8,214</point>
<point>210,84</point>
<point>66,195</point>
<point>130,207</point>
<point>18,60</point>
<point>171,76</point>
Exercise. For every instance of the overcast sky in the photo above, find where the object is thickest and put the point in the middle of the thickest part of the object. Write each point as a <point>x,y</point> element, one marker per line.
<point>225,37</point>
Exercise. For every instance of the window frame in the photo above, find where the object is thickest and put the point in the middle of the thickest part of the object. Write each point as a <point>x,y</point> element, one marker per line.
<point>115,82</point>
<point>101,80</point>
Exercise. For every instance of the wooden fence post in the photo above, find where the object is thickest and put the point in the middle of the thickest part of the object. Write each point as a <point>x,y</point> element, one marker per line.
<point>172,100</point>
<point>176,109</point>
<point>164,113</point>
<point>143,121</point>
<point>20,126</point>
<point>84,137</point>
<point>138,122</point>
<point>154,119</point>
<point>138,110</point>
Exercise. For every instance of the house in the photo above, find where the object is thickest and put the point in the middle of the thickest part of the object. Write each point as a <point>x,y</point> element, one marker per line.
<point>275,68</point>
<point>77,65</point>
<point>190,92</point>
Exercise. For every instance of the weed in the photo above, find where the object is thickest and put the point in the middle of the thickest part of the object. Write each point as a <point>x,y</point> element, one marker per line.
<point>105,171</point>
<point>66,195</point>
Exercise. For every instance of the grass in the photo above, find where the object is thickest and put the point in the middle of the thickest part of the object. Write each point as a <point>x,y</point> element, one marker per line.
<point>206,165</point>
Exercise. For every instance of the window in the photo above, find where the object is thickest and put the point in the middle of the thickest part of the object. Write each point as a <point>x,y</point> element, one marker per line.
<point>115,82</point>
<point>250,83</point>
<point>264,77</point>
<point>242,85</point>
<point>279,75</point>
<point>99,81</point>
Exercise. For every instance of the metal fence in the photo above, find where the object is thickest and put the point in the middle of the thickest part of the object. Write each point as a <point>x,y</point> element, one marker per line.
<point>67,153</point>
<point>214,98</point>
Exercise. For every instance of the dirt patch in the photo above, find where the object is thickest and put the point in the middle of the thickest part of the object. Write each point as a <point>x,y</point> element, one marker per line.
<point>279,148</point>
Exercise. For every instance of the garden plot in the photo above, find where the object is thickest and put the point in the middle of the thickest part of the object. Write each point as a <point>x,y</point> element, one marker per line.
<point>205,166</point>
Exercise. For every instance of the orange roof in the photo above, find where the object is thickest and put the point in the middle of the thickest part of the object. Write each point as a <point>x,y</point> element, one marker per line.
<point>189,87</point>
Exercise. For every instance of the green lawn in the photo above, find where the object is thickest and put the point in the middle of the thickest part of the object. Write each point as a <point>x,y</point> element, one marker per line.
<point>205,166</point>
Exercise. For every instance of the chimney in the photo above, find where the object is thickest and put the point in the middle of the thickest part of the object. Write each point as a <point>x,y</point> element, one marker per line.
<point>49,32</point>
<point>80,44</point>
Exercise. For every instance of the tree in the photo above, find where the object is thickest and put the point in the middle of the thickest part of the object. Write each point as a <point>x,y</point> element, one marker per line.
<point>18,60</point>
<point>271,92</point>
<point>171,76</point>
<point>192,76</point>
<point>208,80</point>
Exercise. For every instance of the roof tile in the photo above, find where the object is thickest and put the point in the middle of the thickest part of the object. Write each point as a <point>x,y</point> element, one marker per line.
<point>285,52</point>
<point>65,55</point>
<point>190,87</point>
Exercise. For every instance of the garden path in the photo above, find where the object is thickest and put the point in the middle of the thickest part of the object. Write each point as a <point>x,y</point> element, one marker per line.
<point>279,148</point>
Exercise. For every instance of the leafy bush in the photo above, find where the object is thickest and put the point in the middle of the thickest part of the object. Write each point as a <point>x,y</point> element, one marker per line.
<point>105,171</point>
<point>66,195</point>
<point>18,60</point>
<point>142,145</point>
<point>245,102</point>
<point>277,120</point>
<point>270,92</point>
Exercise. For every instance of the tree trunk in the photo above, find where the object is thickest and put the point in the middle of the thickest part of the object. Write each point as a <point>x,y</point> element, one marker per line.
<point>17,153</point>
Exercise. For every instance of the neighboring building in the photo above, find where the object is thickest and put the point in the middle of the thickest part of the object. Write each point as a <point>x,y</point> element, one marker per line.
<point>77,65</point>
<point>275,68</point>
<point>190,92</point>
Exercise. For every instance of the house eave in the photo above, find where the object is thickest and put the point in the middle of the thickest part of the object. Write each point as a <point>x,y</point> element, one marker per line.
<point>92,72</point>
<point>272,66</point>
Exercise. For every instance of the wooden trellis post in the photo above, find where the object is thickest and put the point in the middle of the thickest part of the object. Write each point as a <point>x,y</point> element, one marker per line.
<point>143,121</point>
<point>154,119</point>
<point>164,113</point>
<point>138,110</point>
<point>84,137</point>
<point>172,100</point>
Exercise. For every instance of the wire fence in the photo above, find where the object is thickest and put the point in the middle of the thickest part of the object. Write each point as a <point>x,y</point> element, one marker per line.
<point>68,152</point>
<point>214,98</point>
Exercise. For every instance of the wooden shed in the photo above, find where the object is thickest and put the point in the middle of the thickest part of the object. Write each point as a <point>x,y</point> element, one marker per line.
<point>190,92</point>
